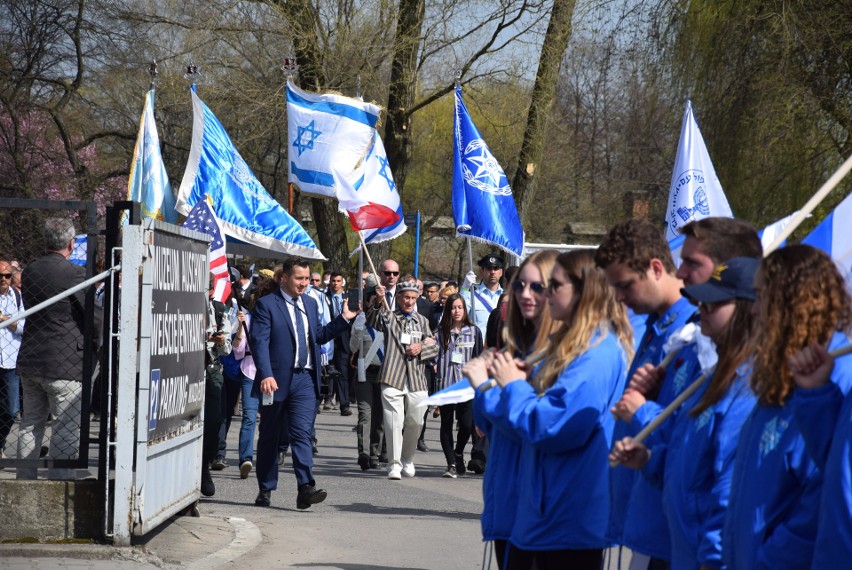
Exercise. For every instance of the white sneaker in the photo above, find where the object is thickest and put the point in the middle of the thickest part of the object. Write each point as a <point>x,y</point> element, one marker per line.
<point>407,469</point>
<point>395,473</point>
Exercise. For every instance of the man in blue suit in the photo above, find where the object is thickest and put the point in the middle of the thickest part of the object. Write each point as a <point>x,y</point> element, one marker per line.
<point>285,338</point>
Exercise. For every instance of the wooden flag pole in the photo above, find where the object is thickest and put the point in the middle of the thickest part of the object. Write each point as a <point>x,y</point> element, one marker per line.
<point>683,396</point>
<point>372,267</point>
<point>810,206</point>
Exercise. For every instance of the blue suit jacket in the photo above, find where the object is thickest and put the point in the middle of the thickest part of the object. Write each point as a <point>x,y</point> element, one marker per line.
<point>273,342</point>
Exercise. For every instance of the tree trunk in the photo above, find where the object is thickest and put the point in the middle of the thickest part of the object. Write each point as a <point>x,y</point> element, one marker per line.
<point>543,95</point>
<point>403,82</point>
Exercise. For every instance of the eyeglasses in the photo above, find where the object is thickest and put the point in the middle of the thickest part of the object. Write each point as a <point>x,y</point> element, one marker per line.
<point>391,273</point>
<point>536,287</point>
<point>6,275</point>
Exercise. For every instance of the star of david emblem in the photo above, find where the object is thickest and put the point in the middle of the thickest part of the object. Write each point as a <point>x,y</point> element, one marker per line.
<point>482,171</point>
<point>305,138</point>
<point>385,172</point>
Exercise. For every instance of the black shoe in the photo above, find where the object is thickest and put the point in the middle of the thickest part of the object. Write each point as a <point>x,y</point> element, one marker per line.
<point>421,446</point>
<point>364,461</point>
<point>218,464</point>
<point>43,451</point>
<point>346,412</point>
<point>374,463</point>
<point>314,449</point>
<point>460,468</point>
<point>264,499</point>
<point>208,489</point>
<point>476,465</point>
<point>383,459</point>
<point>309,496</point>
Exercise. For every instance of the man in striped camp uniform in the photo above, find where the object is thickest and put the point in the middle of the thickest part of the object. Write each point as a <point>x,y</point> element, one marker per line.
<point>409,346</point>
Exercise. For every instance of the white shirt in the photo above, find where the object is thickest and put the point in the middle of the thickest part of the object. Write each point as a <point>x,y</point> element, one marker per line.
<point>301,343</point>
<point>10,340</point>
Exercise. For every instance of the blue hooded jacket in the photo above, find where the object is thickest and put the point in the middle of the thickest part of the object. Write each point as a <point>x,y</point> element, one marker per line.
<point>692,459</point>
<point>771,521</point>
<point>824,417</point>
<point>565,433</point>
<point>500,482</point>
<point>621,479</point>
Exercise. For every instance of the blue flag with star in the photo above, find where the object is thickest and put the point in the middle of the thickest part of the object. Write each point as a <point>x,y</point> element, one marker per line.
<point>483,206</point>
<point>327,133</point>
<point>246,211</point>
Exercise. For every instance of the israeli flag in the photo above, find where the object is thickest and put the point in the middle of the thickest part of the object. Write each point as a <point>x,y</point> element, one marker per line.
<point>80,250</point>
<point>244,208</point>
<point>768,234</point>
<point>834,237</point>
<point>483,206</point>
<point>148,182</point>
<point>695,192</point>
<point>376,185</point>
<point>324,132</point>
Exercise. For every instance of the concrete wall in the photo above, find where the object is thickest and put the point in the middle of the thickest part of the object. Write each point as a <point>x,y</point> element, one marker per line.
<point>51,510</point>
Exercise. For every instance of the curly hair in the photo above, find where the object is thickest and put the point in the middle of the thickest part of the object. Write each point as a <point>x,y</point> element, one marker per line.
<point>597,311</point>
<point>521,336</point>
<point>635,243</point>
<point>803,300</point>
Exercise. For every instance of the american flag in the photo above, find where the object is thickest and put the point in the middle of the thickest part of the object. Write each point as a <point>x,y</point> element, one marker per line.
<point>202,219</point>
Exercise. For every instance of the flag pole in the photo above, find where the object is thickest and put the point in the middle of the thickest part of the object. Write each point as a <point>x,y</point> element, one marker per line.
<point>473,286</point>
<point>372,267</point>
<point>811,205</point>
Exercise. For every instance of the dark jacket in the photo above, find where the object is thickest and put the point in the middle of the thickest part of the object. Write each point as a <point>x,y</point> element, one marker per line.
<point>53,342</point>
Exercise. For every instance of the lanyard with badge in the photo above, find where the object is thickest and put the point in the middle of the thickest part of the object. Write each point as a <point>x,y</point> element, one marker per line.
<point>411,332</point>
<point>458,355</point>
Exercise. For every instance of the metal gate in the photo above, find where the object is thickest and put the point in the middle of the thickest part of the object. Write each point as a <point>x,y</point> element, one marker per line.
<point>160,375</point>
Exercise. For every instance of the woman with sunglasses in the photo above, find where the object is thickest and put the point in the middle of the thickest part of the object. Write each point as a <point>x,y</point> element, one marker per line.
<point>528,328</point>
<point>458,341</point>
<point>691,456</point>
<point>561,417</point>
<point>776,485</point>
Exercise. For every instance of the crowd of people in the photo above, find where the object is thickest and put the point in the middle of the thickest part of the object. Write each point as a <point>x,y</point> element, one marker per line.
<point>572,360</point>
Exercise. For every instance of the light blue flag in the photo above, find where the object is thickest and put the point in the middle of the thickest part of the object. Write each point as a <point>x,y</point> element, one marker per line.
<point>695,192</point>
<point>457,393</point>
<point>834,237</point>
<point>148,182</point>
<point>247,212</point>
<point>483,206</point>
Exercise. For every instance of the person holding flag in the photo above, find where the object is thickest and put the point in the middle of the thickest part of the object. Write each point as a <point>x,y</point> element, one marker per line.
<point>203,219</point>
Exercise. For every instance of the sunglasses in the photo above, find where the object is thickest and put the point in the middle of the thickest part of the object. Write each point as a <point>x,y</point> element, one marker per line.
<point>391,273</point>
<point>6,275</point>
<point>536,287</point>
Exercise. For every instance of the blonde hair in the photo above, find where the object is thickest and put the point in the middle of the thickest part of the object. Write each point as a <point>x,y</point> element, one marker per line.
<point>522,336</point>
<point>597,312</point>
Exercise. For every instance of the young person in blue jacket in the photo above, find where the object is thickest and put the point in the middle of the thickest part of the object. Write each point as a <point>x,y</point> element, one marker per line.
<point>561,416</point>
<point>824,416</point>
<point>691,456</point>
<point>528,328</point>
<point>638,265</point>
<point>772,515</point>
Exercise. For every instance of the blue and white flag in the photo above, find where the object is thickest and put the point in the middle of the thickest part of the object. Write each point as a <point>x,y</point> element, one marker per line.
<point>244,208</point>
<point>326,132</point>
<point>695,192</point>
<point>457,393</point>
<point>148,182</point>
<point>483,206</point>
<point>834,237</point>
<point>80,251</point>
<point>768,234</point>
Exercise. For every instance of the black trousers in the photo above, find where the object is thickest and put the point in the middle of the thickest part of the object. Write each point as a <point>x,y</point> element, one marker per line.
<point>464,413</point>
<point>554,559</point>
<point>213,381</point>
